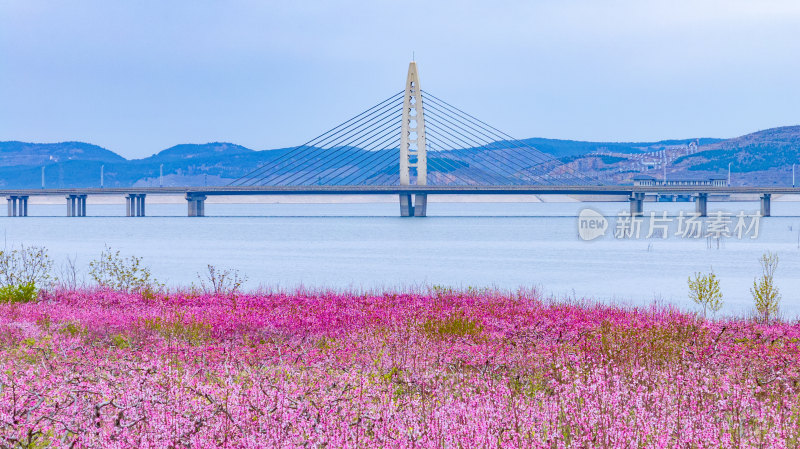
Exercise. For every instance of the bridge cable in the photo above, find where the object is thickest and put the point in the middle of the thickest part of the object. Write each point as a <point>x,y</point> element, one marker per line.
<point>367,154</point>
<point>579,176</point>
<point>356,142</point>
<point>383,120</point>
<point>338,139</point>
<point>336,129</point>
<point>469,145</point>
<point>441,142</point>
<point>319,139</point>
<point>495,145</point>
<point>489,144</point>
<point>475,176</point>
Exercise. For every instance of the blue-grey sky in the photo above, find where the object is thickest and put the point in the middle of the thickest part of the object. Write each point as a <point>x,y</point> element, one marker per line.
<point>139,76</point>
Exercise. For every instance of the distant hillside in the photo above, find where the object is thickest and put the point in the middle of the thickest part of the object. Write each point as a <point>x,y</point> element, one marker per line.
<point>758,158</point>
<point>23,153</point>
<point>76,164</point>
<point>190,151</point>
<point>762,150</point>
<point>567,148</point>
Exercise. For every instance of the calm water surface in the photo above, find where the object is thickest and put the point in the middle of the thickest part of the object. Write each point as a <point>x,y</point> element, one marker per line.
<point>460,244</point>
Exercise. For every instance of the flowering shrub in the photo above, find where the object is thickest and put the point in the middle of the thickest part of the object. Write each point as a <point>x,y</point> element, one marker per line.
<point>221,281</point>
<point>112,271</point>
<point>454,369</point>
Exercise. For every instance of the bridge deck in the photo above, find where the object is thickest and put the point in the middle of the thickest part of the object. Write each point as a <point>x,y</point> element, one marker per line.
<point>431,190</point>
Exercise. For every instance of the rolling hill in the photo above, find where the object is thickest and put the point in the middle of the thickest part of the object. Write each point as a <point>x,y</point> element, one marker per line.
<point>764,157</point>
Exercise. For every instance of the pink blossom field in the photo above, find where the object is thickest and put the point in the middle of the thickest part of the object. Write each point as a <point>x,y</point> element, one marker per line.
<point>442,369</point>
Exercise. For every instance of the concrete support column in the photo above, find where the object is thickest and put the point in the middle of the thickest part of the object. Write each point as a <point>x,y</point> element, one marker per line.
<point>201,206</point>
<point>701,204</point>
<point>12,206</point>
<point>76,205</point>
<point>17,206</point>
<point>196,204</point>
<point>134,205</point>
<point>765,200</point>
<point>191,205</point>
<point>406,206</point>
<point>637,204</point>
<point>70,205</point>
<point>420,205</point>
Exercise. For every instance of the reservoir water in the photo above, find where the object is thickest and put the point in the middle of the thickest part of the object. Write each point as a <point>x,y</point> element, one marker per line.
<point>365,246</point>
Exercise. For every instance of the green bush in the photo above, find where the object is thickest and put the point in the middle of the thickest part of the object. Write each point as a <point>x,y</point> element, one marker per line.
<point>124,274</point>
<point>452,326</point>
<point>25,265</point>
<point>120,341</point>
<point>179,327</point>
<point>19,293</point>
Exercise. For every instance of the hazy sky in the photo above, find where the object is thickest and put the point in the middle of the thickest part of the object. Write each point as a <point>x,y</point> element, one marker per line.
<point>139,76</point>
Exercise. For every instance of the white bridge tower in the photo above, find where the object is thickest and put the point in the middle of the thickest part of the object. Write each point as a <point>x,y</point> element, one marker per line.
<point>413,151</point>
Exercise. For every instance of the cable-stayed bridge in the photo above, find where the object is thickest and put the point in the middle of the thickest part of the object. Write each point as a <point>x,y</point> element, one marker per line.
<point>411,144</point>
<point>413,138</point>
<point>459,150</point>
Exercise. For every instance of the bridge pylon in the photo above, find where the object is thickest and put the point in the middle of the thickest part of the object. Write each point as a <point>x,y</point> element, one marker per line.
<point>413,150</point>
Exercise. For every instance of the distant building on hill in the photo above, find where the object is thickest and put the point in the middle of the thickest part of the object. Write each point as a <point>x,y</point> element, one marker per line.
<point>712,181</point>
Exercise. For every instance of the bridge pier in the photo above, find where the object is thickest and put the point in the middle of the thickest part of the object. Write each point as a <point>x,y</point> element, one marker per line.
<point>637,204</point>
<point>134,205</point>
<point>701,204</point>
<point>18,206</point>
<point>420,205</point>
<point>22,206</point>
<point>129,205</point>
<point>413,207</point>
<point>765,203</point>
<point>196,204</point>
<point>406,206</point>
<point>76,205</point>
<point>12,206</point>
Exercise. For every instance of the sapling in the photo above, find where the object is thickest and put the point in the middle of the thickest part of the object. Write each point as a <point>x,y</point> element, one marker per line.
<point>704,290</point>
<point>765,294</point>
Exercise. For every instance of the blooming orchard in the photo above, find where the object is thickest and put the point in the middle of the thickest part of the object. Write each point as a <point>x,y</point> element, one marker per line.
<point>444,369</point>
